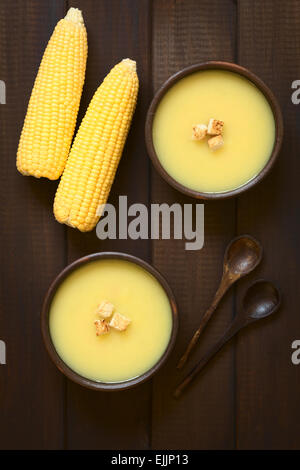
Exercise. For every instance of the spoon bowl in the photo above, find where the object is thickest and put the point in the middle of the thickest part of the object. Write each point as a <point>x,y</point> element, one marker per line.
<point>261,300</point>
<point>242,255</point>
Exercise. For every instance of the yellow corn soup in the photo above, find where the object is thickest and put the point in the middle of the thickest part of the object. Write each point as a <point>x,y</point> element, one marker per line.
<point>249,131</point>
<point>115,356</point>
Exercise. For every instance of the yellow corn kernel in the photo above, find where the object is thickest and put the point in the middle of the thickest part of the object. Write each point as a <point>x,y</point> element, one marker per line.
<point>97,149</point>
<point>53,106</point>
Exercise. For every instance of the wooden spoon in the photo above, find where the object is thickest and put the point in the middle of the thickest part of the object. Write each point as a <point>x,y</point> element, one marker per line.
<point>242,255</point>
<point>261,300</point>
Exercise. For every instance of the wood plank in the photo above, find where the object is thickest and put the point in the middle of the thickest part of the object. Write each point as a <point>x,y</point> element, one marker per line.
<point>268,411</point>
<point>32,390</point>
<point>116,29</point>
<point>185,33</point>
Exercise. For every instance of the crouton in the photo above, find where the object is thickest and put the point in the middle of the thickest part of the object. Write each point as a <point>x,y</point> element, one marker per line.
<point>119,322</point>
<point>102,327</point>
<point>199,131</point>
<point>215,127</point>
<point>215,142</point>
<point>105,309</point>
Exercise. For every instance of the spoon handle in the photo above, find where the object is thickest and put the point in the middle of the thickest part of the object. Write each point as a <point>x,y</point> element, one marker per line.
<point>232,330</point>
<point>226,282</point>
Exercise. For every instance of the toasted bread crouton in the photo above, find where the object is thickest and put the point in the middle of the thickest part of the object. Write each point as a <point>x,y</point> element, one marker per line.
<point>199,131</point>
<point>215,142</point>
<point>102,327</point>
<point>105,309</point>
<point>215,127</point>
<point>119,322</point>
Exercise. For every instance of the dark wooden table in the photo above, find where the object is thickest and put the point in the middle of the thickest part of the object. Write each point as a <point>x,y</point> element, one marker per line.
<point>248,397</point>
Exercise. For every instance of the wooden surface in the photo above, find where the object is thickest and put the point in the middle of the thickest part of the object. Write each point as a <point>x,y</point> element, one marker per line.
<point>248,397</point>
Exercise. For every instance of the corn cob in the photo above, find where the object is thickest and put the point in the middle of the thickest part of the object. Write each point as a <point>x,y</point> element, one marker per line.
<point>97,149</point>
<point>53,106</point>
